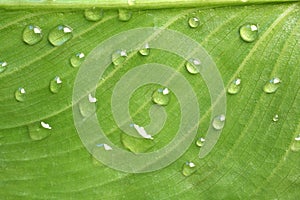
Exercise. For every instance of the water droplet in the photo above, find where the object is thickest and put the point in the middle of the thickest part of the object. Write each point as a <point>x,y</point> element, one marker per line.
<point>192,66</point>
<point>60,34</point>
<point>161,96</point>
<point>296,144</point>
<point>92,99</point>
<point>131,2</point>
<point>93,14</point>
<point>145,51</point>
<point>272,85</point>
<point>275,118</point>
<point>39,131</point>
<point>105,146</point>
<point>124,15</point>
<point>118,57</point>
<point>32,34</point>
<point>249,32</point>
<point>200,142</point>
<point>87,107</point>
<point>20,94</point>
<point>55,85</point>
<point>3,66</point>
<point>188,168</point>
<point>234,87</point>
<point>77,59</point>
<point>142,132</point>
<point>194,22</point>
<point>45,125</point>
<point>218,122</point>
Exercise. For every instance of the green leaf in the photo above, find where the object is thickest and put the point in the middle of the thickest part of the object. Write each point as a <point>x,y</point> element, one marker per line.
<point>254,158</point>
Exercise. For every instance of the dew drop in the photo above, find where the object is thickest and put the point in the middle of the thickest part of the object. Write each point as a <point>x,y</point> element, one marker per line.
<point>86,106</point>
<point>118,57</point>
<point>93,14</point>
<point>39,131</point>
<point>188,168</point>
<point>20,94</point>
<point>194,22</point>
<point>124,15</point>
<point>218,122</point>
<point>192,66</point>
<point>275,118</point>
<point>3,66</point>
<point>272,85</point>
<point>77,59</point>
<point>234,87</point>
<point>106,147</point>
<point>32,34</point>
<point>145,51</point>
<point>161,97</point>
<point>296,144</point>
<point>55,85</point>
<point>60,34</point>
<point>200,142</point>
<point>249,32</point>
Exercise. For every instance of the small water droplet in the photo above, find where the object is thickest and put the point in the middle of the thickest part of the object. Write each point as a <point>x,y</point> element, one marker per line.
<point>194,22</point>
<point>20,94</point>
<point>39,130</point>
<point>32,34</point>
<point>105,146</point>
<point>124,15</point>
<point>118,57</point>
<point>145,51</point>
<point>249,32</point>
<point>45,125</point>
<point>77,59</point>
<point>92,99</point>
<point>234,87</point>
<point>3,66</point>
<point>275,118</point>
<point>188,168</point>
<point>161,97</point>
<point>218,122</point>
<point>86,106</point>
<point>93,14</point>
<point>192,66</point>
<point>272,85</point>
<point>131,2</point>
<point>55,85</point>
<point>60,34</point>
<point>200,142</point>
<point>296,144</point>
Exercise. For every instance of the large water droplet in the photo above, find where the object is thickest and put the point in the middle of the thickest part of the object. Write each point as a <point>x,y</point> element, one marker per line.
<point>93,14</point>
<point>118,57</point>
<point>200,142</point>
<point>32,34</point>
<point>234,87</point>
<point>194,22</point>
<point>77,59</point>
<point>145,51</point>
<point>55,85</point>
<point>188,168</point>
<point>218,122</point>
<point>272,85</point>
<point>161,97</point>
<point>86,106</point>
<point>60,34</point>
<point>275,118</point>
<point>3,66</point>
<point>20,94</point>
<point>39,131</point>
<point>249,32</point>
<point>192,66</point>
<point>296,144</point>
<point>124,15</point>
